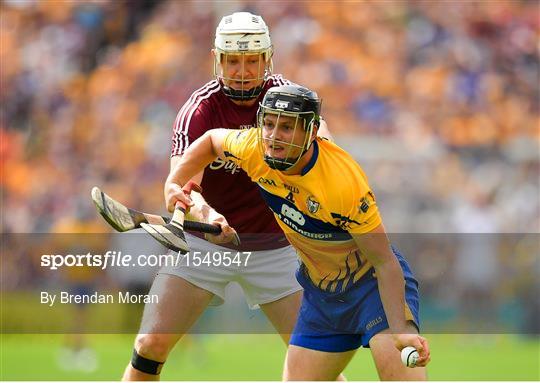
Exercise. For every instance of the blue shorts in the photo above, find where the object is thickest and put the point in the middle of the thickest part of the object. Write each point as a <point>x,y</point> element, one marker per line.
<point>344,321</point>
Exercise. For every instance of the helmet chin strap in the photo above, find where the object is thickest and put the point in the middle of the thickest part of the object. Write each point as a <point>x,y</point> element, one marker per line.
<point>278,164</point>
<point>282,165</point>
<point>242,95</point>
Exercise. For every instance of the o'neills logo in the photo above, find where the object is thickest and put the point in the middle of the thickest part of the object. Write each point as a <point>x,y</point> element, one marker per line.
<point>292,189</point>
<point>373,322</point>
<point>228,166</point>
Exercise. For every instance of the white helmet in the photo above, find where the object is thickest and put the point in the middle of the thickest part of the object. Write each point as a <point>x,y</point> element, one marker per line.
<point>239,34</point>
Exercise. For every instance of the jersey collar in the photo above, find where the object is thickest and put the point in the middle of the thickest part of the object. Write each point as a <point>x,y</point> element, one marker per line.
<point>313,159</point>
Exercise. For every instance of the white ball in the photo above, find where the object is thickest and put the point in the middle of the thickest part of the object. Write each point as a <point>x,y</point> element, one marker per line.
<point>409,356</point>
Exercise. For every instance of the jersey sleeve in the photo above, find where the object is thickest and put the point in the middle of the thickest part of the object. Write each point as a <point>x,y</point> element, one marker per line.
<point>191,123</point>
<point>239,146</point>
<point>362,208</point>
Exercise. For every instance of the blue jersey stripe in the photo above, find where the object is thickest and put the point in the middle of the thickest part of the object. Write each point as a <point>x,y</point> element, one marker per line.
<point>303,224</point>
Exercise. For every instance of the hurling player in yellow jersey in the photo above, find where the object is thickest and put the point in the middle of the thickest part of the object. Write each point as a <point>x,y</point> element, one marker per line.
<point>358,290</point>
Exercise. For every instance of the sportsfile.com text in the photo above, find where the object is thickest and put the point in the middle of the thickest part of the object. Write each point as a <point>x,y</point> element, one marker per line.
<point>117,259</point>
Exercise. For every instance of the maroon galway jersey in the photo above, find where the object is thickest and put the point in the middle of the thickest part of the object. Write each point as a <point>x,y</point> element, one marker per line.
<point>226,187</point>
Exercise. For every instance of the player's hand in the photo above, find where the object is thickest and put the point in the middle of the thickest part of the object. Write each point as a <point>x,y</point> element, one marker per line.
<point>418,342</point>
<point>228,234</point>
<point>174,194</point>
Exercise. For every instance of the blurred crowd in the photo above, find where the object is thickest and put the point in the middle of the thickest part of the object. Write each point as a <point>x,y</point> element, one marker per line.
<point>438,101</point>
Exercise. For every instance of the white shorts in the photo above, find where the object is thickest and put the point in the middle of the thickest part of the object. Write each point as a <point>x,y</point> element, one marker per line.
<point>267,276</point>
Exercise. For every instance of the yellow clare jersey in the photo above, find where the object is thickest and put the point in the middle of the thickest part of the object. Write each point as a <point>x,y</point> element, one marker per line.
<point>319,210</point>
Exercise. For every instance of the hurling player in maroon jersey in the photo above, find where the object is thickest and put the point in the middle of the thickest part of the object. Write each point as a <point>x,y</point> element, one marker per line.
<point>243,74</point>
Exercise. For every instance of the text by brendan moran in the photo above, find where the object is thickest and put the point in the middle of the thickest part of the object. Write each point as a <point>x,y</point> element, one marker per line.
<point>64,297</point>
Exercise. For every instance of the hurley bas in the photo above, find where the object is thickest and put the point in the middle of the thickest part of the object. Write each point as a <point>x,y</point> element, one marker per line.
<point>65,297</point>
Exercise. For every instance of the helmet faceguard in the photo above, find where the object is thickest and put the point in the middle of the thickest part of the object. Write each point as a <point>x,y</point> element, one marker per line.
<point>297,109</point>
<point>242,38</point>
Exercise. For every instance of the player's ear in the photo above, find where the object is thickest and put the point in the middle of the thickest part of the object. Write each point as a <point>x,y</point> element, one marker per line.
<point>315,131</point>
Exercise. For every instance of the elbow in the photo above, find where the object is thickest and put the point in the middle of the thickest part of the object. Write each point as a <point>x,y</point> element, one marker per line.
<point>214,138</point>
<point>389,265</point>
